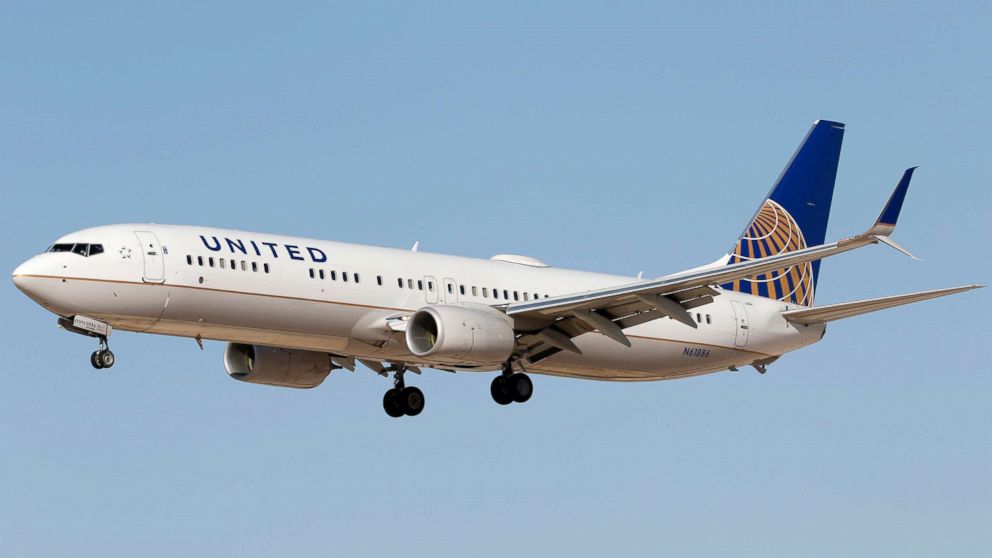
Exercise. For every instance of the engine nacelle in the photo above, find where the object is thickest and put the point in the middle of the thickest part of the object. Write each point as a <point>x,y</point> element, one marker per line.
<point>476,335</point>
<point>274,366</point>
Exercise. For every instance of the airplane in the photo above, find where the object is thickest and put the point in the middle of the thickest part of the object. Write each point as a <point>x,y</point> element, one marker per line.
<point>292,310</point>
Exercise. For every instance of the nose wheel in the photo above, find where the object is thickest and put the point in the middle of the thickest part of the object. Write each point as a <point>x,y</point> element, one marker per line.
<point>102,357</point>
<point>402,400</point>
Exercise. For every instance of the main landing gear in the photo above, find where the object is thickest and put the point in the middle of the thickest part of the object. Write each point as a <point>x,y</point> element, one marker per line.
<point>102,357</point>
<point>510,386</point>
<point>402,400</point>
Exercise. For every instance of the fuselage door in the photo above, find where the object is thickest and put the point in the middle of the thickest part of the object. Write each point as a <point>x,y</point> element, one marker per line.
<point>151,255</point>
<point>430,290</point>
<point>450,291</point>
<point>740,314</point>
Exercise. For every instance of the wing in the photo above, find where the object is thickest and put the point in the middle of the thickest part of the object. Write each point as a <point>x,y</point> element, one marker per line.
<point>829,313</point>
<point>548,325</point>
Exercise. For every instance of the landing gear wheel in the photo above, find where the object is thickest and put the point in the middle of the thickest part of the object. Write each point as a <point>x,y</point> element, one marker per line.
<point>412,400</point>
<point>520,387</point>
<point>391,403</point>
<point>106,358</point>
<point>95,360</point>
<point>501,391</point>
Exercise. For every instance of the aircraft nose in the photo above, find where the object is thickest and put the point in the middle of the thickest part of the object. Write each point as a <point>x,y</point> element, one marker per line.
<point>27,279</point>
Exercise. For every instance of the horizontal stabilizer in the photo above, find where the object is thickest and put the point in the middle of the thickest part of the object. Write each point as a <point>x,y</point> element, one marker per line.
<point>823,314</point>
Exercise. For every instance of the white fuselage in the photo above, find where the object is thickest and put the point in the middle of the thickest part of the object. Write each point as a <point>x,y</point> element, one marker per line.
<point>267,289</point>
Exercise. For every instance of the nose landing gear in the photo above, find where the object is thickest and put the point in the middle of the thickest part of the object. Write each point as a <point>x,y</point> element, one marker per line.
<point>102,357</point>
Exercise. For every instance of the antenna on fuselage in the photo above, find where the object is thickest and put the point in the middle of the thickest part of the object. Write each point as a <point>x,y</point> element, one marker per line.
<point>416,246</point>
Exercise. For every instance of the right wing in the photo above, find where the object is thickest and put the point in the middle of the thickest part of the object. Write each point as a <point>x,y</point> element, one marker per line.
<point>829,313</point>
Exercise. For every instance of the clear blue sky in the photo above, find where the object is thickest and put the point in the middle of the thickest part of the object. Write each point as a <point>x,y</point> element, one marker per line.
<point>621,139</point>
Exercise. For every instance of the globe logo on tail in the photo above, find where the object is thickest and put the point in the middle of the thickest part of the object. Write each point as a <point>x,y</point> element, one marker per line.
<point>774,231</point>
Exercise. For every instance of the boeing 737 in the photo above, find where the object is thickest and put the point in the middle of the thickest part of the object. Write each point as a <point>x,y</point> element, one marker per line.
<point>293,310</point>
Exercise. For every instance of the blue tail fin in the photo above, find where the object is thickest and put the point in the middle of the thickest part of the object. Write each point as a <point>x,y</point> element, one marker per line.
<point>792,217</point>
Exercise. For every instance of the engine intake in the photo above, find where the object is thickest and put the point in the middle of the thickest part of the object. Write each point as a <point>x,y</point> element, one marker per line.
<point>274,366</point>
<point>461,334</point>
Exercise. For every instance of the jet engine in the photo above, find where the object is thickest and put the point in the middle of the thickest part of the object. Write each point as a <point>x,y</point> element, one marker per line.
<point>475,334</point>
<point>275,366</point>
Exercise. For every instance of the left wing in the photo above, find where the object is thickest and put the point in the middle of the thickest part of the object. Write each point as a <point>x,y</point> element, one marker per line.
<point>551,323</point>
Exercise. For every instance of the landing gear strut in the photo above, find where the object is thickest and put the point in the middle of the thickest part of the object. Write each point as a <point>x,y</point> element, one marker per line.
<point>510,386</point>
<point>402,400</point>
<point>102,357</point>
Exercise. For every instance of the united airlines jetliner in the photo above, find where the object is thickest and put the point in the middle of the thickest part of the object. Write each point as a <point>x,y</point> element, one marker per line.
<point>294,309</point>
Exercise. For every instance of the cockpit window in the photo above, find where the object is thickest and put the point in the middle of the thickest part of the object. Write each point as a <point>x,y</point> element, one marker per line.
<point>84,250</point>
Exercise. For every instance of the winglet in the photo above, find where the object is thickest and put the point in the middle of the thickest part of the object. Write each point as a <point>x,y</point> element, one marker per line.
<point>890,214</point>
<point>886,222</point>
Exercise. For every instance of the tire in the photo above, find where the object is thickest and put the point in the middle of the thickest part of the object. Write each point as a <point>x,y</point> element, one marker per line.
<point>106,358</point>
<point>500,390</point>
<point>520,387</point>
<point>95,360</point>
<point>413,401</point>
<point>391,403</point>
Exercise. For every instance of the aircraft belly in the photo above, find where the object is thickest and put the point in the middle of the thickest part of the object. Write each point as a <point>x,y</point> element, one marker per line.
<point>249,318</point>
<point>647,358</point>
<point>110,301</point>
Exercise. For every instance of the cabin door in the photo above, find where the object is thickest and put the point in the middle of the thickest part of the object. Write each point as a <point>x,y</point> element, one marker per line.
<point>740,314</point>
<point>151,255</point>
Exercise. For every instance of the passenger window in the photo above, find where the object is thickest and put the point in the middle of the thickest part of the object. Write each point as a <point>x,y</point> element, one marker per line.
<point>526,296</point>
<point>96,249</point>
<point>265,267</point>
<point>451,289</point>
<point>344,276</point>
<point>708,318</point>
<point>222,263</point>
<point>409,284</point>
<point>378,279</point>
<point>254,266</point>
<point>189,259</point>
<point>516,295</point>
<point>485,292</point>
<point>430,286</point>
<point>244,265</point>
<point>475,291</point>
<point>399,281</point>
<point>506,294</point>
<point>334,275</point>
<point>199,261</point>
<point>461,289</point>
<point>321,273</point>
<point>699,318</point>
<point>211,260</point>
<point>420,285</point>
<point>496,294</point>
<point>311,273</point>
<point>357,278</point>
